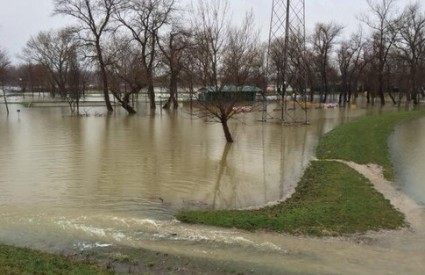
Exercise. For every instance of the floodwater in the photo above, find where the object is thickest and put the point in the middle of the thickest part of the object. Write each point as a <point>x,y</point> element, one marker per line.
<point>69,182</point>
<point>408,150</point>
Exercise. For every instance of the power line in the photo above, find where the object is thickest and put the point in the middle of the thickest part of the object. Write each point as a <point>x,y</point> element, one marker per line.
<point>286,65</point>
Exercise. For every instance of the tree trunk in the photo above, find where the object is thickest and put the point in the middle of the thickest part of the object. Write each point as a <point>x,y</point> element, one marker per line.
<point>151,95</point>
<point>226,130</point>
<point>392,97</point>
<point>125,103</point>
<point>151,91</point>
<point>104,78</point>
<point>5,101</point>
<point>325,97</point>
<point>173,93</point>
<point>344,93</point>
<point>415,97</point>
<point>381,88</point>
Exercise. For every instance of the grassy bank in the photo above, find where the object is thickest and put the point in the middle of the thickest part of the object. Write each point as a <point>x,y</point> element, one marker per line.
<point>116,260</point>
<point>25,261</point>
<point>331,199</point>
<point>365,140</point>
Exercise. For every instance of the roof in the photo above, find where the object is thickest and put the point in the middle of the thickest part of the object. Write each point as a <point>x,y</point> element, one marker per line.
<point>231,89</point>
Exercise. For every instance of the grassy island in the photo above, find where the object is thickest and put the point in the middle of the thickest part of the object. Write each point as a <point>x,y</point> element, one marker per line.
<point>331,198</point>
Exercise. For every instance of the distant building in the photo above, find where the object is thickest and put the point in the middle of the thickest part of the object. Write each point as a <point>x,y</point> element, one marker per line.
<point>228,93</point>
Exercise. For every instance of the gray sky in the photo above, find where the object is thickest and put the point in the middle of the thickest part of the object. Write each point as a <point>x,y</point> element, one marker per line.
<point>20,19</point>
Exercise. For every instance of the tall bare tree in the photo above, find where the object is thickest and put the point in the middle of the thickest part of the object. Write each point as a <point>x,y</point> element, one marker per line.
<point>54,50</point>
<point>243,57</point>
<point>126,73</point>
<point>226,56</point>
<point>351,64</point>
<point>383,23</point>
<point>144,19</point>
<point>323,42</point>
<point>94,17</point>
<point>173,47</point>
<point>411,47</point>
<point>4,63</point>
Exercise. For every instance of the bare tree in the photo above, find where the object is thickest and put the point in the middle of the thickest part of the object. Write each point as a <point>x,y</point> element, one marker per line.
<point>351,64</point>
<point>243,57</point>
<point>94,17</point>
<point>54,51</point>
<point>4,63</point>
<point>191,72</point>
<point>173,47</point>
<point>144,19</point>
<point>75,81</point>
<point>211,25</point>
<point>411,47</point>
<point>323,41</point>
<point>226,57</point>
<point>383,24</point>
<point>126,73</point>
<point>291,63</point>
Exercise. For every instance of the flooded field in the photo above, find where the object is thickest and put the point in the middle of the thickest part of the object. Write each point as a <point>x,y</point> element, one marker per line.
<point>68,182</point>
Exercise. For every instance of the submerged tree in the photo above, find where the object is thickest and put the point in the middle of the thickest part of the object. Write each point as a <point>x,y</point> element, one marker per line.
<point>410,47</point>
<point>127,75</point>
<point>227,57</point>
<point>53,50</point>
<point>57,53</point>
<point>351,64</point>
<point>4,63</point>
<point>383,23</point>
<point>323,41</point>
<point>144,19</point>
<point>94,17</point>
<point>173,47</point>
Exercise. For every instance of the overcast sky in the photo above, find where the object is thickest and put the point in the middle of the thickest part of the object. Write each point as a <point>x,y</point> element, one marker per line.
<point>20,19</point>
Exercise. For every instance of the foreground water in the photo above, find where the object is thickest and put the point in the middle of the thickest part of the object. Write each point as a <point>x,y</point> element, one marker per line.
<point>115,180</point>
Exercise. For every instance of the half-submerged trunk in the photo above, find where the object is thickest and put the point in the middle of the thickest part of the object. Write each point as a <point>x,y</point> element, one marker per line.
<point>104,78</point>
<point>125,103</point>
<point>173,94</point>
<point>5,100</point>
<point>226,130</point>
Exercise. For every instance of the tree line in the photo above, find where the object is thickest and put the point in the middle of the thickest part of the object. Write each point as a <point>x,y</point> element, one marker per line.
<point>124,46</point>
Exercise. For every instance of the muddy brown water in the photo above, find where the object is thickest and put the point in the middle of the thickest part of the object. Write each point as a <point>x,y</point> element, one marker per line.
<point>116,180</point>
<point>408,151</point>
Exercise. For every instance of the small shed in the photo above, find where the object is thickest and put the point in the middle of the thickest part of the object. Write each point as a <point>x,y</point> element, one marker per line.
<point>228,93</point>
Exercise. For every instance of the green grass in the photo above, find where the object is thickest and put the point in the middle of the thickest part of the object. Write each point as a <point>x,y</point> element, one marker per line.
<point>331,199</point>
<point>365,140</point>
<point>25,261</point>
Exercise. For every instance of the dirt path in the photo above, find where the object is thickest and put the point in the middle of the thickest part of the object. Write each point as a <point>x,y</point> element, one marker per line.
<point>412,210</point>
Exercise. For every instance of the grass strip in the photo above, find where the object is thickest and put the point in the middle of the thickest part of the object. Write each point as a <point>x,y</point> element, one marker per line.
<point>25,261</point>
<point>331,199</point>
<point>365,140</point>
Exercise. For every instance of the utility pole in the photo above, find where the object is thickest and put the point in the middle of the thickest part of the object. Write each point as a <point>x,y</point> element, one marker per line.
<point>287,25</point>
